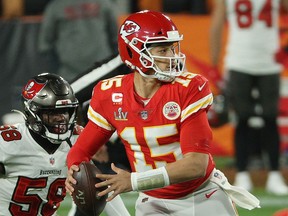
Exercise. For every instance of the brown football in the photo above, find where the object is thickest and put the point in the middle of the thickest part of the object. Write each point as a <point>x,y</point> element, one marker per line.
<point>85,194</point>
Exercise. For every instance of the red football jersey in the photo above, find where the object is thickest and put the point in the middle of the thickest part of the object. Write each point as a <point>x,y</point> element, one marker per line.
<point>152,130</point>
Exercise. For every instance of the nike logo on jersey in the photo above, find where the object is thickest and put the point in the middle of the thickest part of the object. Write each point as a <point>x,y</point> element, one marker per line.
<point>208,195</point>
<point>201,87</point>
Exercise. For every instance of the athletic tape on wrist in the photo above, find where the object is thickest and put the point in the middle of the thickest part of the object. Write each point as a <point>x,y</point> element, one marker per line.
<point>150,179</point>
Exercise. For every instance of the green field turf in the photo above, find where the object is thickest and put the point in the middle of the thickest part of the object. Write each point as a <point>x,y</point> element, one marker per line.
<point>269,204</point>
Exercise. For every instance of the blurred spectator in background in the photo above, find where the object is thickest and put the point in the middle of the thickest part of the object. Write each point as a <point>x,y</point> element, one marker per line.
<point>77,33</point>
<point>20,23</point>
<point>253,81</point>
<point>17,8</point>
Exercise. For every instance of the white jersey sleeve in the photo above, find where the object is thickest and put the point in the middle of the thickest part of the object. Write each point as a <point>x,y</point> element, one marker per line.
<point>34,182</point>
<point>253,36</point>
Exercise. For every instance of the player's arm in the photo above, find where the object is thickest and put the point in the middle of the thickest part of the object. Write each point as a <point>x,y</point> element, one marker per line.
<point>193,165</point>
<point>87,144</point>
<point>195,139</point>
<point>95,134</point>
<point>215,40</point>
<point>195,135</point>
<point>217,23</point>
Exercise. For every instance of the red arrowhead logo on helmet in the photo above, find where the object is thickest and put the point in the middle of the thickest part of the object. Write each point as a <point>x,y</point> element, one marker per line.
<point>128,28</point>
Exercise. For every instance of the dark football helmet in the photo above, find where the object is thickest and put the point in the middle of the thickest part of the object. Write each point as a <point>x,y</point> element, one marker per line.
<point>50,107</point>
<point>138,33</point>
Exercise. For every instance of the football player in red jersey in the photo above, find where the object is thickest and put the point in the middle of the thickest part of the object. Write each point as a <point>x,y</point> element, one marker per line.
<point>159,112</point>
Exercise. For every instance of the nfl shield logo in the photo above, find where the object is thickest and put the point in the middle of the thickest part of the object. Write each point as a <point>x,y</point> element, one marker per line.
<point>144,114</point>
<point>52,160</point>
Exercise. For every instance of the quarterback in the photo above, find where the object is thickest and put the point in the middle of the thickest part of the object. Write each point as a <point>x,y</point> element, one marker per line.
<point>159,112</point>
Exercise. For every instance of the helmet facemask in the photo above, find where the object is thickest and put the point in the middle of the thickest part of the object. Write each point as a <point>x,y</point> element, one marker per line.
<point>58,123</point>
<point>149,61</point>
<point>54,124</point>
<point>175,63</point>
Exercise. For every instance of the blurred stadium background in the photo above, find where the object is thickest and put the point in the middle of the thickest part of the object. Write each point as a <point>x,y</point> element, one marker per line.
<point>19,60</point>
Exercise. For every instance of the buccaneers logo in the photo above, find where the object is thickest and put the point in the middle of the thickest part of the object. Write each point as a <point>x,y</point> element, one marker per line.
<point>128,28</point>
<point>31,89</point>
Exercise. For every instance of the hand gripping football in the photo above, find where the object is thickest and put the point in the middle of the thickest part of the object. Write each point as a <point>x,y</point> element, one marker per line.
<point>85,194</point>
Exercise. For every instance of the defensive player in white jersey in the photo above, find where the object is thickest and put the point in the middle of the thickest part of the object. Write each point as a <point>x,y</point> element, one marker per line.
<point>33,154</point>
<point>159,112</point>
<point>253,80</point>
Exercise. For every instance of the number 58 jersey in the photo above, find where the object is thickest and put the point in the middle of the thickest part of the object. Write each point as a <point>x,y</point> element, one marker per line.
<point>158,130</point>
<point>34,181</point>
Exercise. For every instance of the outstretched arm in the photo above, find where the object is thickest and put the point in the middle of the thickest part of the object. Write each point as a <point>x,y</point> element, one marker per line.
<point>192,166</point>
